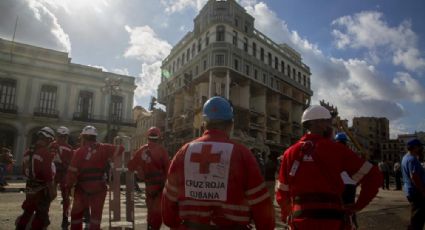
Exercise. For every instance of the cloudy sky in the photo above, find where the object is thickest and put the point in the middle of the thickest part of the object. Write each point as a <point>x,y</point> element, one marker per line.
<point>366,57</point>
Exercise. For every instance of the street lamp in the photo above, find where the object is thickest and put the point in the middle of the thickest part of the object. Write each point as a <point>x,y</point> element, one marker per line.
<point>111,87</point>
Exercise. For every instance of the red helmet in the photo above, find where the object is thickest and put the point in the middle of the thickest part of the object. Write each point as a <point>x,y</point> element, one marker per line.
<point>154,133</point>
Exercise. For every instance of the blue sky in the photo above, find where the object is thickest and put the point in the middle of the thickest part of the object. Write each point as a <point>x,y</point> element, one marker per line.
<point>366,57</point>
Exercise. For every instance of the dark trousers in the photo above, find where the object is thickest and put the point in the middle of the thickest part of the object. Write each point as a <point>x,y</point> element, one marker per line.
<point>398,179</point>
<point>37,203</point>
<point>417,215</point>
<point>386,182</point>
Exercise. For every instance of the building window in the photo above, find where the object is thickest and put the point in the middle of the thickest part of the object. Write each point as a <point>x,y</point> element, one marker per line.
<point>245,44</point>
<point>205,65</point>
<point>7,94</point>
<point>262,54</point>
<point>276,63</point>
<point>47,104</point>
<point>246,27</point>
<point>187,54</point>
<point>196,70</point>
<point>199,44</point>
<point>289,70</point>
<point>235,38</point>
<point>174,66</point>
<point>207,38</point>
<point>178,63</point>
<point>255,74</point>
<point>271,83</point>
<point>85,104</point>
<point>254,49</point>
<point>220,33</point>
<point>236,22</point>
<point>236,64</point>
<point>247,70</point>
<point>219,59</point>
<point>183,58</point>
<point>294,73</point>
<point>117,107</point>
<point>299,77</point>
<point>304,80</point>
<point>269,55</point>
<point>193,50</point>
<point>282,67</point>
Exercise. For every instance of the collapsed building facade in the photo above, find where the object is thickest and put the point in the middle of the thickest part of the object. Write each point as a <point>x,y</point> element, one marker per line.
<point>267,83</point>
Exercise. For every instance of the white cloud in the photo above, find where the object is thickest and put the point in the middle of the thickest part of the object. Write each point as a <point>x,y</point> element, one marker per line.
<point>369,30</point>
<point>37,25</point>
<point>172,6</point>
<point>146,46</point>
<point>414,91</point>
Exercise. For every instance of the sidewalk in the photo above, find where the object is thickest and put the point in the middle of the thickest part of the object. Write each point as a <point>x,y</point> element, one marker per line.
<point>14,186</point>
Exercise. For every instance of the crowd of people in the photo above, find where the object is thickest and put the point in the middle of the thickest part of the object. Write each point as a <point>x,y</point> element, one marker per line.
<point>214,182</point>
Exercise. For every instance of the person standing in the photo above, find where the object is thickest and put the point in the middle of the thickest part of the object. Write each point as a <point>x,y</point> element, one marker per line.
<point>270,174</point>
<point>398,175</point>
<point>87,173</point>
<point>151,163</point>
<point>385,169</point>
<point>6,164</point>
<point>62,160</point>
<point>310,186</point>
<point>214,182</point>
<point>414,183</point>
<point>39,169</point>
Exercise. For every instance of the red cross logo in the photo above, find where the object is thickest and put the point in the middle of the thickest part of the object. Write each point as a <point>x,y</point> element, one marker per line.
<point>205,158</point>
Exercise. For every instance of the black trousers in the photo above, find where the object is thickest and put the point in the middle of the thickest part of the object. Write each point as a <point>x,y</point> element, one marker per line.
<point>386,182</point>
<point>417,215</point>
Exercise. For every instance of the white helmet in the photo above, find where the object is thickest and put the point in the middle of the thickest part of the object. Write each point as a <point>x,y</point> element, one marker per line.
<point>63,130</point>
<point>89,130</point>
<point>47,132</point>
<point>315,112</point>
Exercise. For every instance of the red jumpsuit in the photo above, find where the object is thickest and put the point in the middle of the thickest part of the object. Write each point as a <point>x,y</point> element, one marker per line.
<point>151,163</point>
<point>87,172</point>
<point>62,160</point>
<point>39,169</point>
<point>310,186</point>
<point>215,183</point>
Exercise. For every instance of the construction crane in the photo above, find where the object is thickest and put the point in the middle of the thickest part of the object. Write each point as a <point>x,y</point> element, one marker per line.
<point>340,125</point>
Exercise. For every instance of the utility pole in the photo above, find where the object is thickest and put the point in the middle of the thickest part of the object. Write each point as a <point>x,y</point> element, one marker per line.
<point>112,87</point>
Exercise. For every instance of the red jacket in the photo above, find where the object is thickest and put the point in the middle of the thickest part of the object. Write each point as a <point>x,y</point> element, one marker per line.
<point>151,163</point>
<point>88,166</point>
<point>40,165</point>
<point>215,180</point>
<point>311,169</point>
<point>62,159</point>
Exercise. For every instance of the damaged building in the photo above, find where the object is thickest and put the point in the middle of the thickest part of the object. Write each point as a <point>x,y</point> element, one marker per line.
<point>267,83</point>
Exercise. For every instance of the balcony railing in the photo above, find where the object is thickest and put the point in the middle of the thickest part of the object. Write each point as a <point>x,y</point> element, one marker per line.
<point>46,112</point>
<point>8,108</point>
<point>102,119</point>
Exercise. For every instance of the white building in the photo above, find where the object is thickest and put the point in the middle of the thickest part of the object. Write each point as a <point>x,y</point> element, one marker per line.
<point>41,87</point>
<point>225,55</point>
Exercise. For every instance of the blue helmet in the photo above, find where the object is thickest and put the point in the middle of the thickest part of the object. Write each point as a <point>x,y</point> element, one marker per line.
<point>341,137</point>
<point>217,109</point>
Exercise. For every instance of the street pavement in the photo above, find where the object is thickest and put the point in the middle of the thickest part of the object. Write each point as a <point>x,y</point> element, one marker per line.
<point>389,210</point>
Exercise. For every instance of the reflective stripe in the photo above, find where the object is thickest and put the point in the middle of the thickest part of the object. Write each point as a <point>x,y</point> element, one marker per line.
<point>97,222</point>
<point>37,157</point>
<point>169,196</point>
<point>237,218</point>
<point>64,148</point>
<point>72,169</point>
<point>282,186</point>
<point>170,187</point>
<point>194,213</point>
<point>223,205</point>
<point>259,199</point>
<point>256,189</point>
<point>366,167</point>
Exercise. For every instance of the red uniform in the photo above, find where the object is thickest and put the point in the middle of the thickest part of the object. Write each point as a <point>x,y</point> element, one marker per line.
<point>215,181</point>
<point>310,186</point>
<point>39,169</point>
<point>87,172</point>
<point>151,163</point>
<point>62,160</point>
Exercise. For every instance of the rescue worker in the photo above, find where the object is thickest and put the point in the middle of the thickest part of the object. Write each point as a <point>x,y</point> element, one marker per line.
<point>214,182</point>
<point>87,173</point>
<point>62,161</point>
<point>151,163</point>
<point>39,169</point>
<point>309,184</point>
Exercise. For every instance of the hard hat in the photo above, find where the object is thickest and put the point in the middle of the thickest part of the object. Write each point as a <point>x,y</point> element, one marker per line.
<point>63,130</point>
<point>154,133</point>
<point>47,132</point>
<point>341,137</point>
<point>217,109</point>
<point>89,130</point>
<point>315,112</point>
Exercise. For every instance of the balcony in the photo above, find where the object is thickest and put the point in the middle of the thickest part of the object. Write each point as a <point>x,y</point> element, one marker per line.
<point>102,119</point>
<point>46,112</point>
<point>8,108</point>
